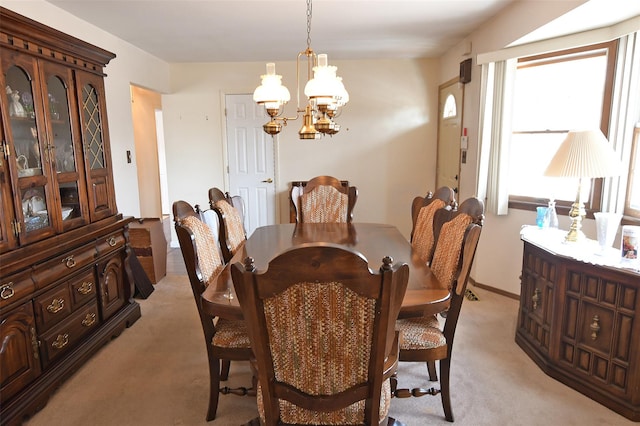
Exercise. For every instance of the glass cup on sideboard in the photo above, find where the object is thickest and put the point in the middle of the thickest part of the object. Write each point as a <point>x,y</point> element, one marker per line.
<point>606,228</point>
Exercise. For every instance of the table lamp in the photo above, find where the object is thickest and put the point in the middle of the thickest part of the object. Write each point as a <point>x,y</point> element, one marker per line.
<point>583,154</point>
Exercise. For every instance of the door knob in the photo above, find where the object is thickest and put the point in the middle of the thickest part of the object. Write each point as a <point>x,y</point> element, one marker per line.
<point>269,180</point>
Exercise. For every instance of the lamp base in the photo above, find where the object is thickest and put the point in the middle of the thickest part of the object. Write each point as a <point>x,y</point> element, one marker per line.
<point>574,236</point>
<point>576,214</point>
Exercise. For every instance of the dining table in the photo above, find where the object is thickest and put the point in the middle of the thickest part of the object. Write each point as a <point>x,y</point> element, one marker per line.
<point>425,295</point>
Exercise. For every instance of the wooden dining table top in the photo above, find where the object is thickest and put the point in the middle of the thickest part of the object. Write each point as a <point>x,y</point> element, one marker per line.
<point>425,295</point>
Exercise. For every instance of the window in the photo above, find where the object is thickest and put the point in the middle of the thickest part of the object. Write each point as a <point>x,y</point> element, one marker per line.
<point>450,110</point>
<point>632,203</point>
<point>555,93</point>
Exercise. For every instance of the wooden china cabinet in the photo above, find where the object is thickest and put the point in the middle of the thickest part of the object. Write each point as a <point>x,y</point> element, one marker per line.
<point>65,285</point>
<point>579,318</point>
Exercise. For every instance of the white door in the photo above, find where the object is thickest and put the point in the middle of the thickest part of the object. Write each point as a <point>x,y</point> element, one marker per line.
<point>251,160</point>
<point>449,132</point>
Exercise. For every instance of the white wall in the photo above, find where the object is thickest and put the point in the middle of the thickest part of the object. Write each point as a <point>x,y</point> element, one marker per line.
<point>386,146</point>
<point>131,66</point>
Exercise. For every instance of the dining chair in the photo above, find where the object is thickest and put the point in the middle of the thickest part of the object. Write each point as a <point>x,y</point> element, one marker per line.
<point>232,231</point>
<point>422,339</point>
<point>321,325</point>
<point>423,234</point>
<point>324,199</point>
<point>225,339</point>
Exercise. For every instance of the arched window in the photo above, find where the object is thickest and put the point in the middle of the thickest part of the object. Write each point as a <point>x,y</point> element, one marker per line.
<point>449,110</point>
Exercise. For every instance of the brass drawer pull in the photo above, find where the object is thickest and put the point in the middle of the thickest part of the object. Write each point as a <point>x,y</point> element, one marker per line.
<point>112,241</point>
<point>535,298</point>
<point>61,341</point>
<point>56,306</point>
<point>595,327</point>
<point>6,291</point>
<point>85,288</point>
<point>69,261</point>
<point>89,320</point>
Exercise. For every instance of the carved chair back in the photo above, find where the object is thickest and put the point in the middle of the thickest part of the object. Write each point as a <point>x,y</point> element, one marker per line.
<point>322,328</point>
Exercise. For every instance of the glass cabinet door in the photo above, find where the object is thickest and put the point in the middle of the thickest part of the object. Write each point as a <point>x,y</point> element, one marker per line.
<point>64,146</point>
<point>25,127</point>
<point>7,236</point>
<point>93,121</point>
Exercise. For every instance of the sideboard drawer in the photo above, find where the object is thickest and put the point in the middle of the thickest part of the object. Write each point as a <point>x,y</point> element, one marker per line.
<point>83,288</point>
<point>68,333</point>
<point>110,243</point>
<point>15,287</point>
<point>65,265</point>
<point>52,307</point>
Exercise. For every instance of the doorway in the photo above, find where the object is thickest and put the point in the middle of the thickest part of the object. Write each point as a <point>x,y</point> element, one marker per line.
<point>450,103</point>
<point>146,109</point>
<point>251,160</point>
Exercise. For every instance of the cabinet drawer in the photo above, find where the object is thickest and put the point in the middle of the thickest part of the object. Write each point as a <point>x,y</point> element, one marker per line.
<point>52,307</point>
<point>83,288</point>
<point>68,333</point>
<point>15,287</point>
<point>62,266</point>
<point>110,243</point>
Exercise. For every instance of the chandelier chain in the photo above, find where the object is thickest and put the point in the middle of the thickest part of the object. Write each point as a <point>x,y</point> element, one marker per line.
<point>309,13</point>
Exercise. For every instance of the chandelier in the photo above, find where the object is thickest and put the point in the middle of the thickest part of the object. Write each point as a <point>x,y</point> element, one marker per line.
<point>325,94</point>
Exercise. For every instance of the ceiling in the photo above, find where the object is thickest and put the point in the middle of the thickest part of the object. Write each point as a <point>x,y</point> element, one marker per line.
<point>275,30</point>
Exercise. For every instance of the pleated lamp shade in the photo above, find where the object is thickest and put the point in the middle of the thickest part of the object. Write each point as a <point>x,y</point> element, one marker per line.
<point>585,153</point>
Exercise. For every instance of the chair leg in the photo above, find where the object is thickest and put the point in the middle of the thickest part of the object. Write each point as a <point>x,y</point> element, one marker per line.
<point>224,374</point>
<point>431,367</point>
<point>214,387</point>
<point>393,382</point>
<point>445,392</point>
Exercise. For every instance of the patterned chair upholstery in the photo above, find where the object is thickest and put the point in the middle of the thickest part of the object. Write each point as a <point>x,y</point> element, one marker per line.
<point>232,234</point>
<point>215,195</point>
<point>325,346</point>
<point>226,340</point>
<point>423,209</point>
<point>323,199</point>
<point>422,339</point>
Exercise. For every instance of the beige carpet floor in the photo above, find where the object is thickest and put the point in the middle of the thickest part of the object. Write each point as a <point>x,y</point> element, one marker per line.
<point>155,374</point>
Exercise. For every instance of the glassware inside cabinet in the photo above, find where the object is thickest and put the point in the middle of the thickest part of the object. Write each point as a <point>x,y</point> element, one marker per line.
<point>22,122</point>
<point>34,208</point>
<point>58,110</point>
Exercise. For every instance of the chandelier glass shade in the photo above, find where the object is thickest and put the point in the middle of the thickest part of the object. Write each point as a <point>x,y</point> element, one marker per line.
<point>324,90</point>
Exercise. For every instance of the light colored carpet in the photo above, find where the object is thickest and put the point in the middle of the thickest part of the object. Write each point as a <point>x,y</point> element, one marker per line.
<point>155,374</point>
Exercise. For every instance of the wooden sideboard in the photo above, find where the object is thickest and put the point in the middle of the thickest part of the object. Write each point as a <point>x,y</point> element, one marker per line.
<point>579,319</point>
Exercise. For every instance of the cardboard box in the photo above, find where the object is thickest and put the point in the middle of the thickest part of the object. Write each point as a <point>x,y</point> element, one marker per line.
<point>149,244</point>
